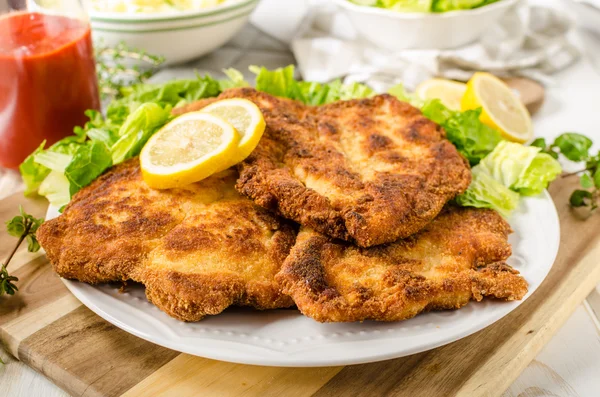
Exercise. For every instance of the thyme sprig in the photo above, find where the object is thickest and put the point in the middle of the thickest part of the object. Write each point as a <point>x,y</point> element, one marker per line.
<point>24,227</point>
<point>122,66</point>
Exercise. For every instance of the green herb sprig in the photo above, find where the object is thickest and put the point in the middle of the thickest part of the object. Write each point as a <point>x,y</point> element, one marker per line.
<point>23,227</point>
<point>114,72</point>
<point>576,147</point>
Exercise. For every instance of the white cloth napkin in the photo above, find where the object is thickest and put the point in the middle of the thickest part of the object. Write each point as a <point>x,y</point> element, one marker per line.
<point>594,3</point>
<point>528,41</point>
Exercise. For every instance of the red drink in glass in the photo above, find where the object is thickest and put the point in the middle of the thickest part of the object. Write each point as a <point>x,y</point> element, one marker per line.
<point>47,81</point>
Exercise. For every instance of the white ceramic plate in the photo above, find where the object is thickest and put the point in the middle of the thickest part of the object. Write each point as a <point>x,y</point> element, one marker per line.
<point>286,338</point>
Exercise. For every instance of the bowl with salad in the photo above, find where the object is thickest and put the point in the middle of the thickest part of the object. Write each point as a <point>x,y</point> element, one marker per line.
<point>424,24</point>
<point>178,30</point>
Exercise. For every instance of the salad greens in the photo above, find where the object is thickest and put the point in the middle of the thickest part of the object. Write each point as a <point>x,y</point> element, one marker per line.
<point>451,5</point>
<point>424,5</point>
<point>472,138</point>
<point>281,82</point>
<point>502,171</point>
<point>521,168</point>
<point>508,171</point>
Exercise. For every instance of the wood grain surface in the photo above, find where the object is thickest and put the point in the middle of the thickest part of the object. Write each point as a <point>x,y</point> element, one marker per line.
<point>48,329</point>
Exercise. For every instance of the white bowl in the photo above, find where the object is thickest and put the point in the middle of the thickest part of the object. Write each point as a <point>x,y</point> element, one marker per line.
<point>178,36</point>
<point>393,30</point>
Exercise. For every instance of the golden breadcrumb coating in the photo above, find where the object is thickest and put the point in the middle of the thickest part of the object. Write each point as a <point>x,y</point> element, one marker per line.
<point>457,258</point>
<point>197,249</point>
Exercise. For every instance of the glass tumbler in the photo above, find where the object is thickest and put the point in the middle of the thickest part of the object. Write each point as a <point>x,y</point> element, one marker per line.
<point>47,74</point>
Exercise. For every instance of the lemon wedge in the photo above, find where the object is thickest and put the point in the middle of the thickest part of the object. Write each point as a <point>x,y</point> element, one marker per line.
<point>501,108</point>
<point>448,91</point>
<point>247,119</point>
<point>188,149</point>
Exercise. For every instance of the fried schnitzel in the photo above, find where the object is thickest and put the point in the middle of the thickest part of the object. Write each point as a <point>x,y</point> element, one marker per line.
<point>368,171</point>
<point>456,258</point>
<point>197,249</point>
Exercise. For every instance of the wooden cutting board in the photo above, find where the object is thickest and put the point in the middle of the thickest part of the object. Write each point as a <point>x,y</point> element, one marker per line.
<point>47,328</point>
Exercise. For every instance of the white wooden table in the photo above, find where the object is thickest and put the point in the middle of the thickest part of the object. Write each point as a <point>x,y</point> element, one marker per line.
<point>568,366</point>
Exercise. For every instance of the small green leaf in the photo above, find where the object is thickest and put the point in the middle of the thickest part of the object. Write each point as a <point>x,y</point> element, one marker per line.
<point>597,178</point>
<point>33,222</point>
<point>16,226</point>
<point>32,243</point>
<point>7,282</point>
<point>539,142</point>
<point>586,181</point>
<point>581,198</point>
<point>23,225</point>
<point>574,146</point>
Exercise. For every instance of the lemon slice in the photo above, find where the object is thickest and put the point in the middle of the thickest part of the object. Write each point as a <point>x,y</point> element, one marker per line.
<point>247,119</point>
<point>448,91</point>
<point>501,108</point>
<point>188,149</point>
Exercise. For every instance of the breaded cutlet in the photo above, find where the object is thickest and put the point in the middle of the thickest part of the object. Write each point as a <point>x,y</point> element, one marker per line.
<point>458,257</point>
<point>197,249</point>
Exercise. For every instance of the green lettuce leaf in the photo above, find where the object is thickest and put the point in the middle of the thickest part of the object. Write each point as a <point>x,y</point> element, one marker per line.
<point>53,161</point>
<point>508,162</point>
<point>56,188</point>
<point>33,173</point>
<point>508,171</point>
<point>424,5</point>
<point>337,91</point>
<point>234,79</point>
<point>521,168</point>
<point>105,136</point>
<point>542,170</point>
<point>281,82</point>
<point>400,92</point>
<point>88,163</point>
<point>408,5</point>
<point>174,93</point>
<point>487,192</point>
<point>137,129</point>
<point>472,138</point>
<point>451,5</point>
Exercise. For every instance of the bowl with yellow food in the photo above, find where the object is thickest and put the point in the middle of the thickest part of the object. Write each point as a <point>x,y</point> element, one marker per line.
<point>179,30</point>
